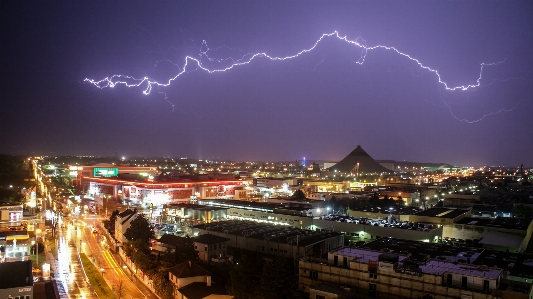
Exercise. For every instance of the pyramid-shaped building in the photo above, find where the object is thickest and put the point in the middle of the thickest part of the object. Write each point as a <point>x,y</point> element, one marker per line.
<point>358,161</point>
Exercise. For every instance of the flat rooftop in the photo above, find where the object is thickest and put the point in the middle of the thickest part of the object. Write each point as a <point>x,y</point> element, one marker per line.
<point>398,210</point>
<point>362,255</point>
<point>516,263</point>
<point>255,205</point>
<point>442,213</point>
<point>422,250</point>
<point>500,222</point>
<point>431,266</point>
<point>194,207</point>
<point>284,234</point>
<point>437,267</point>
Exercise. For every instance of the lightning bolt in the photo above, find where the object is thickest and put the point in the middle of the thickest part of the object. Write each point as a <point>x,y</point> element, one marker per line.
<point>191,62</point>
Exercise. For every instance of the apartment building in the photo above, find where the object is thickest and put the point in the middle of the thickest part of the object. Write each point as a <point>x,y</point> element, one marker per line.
<point>416,273</point>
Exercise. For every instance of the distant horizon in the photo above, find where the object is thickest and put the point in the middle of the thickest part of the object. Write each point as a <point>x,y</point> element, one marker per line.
<point>259,161</point>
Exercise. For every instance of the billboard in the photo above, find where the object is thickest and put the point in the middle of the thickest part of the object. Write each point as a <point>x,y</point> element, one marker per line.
<point>105,172</point>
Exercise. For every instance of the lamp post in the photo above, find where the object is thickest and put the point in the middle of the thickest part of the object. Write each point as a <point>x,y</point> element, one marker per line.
<point>106,201</point>
<point>37,235</point>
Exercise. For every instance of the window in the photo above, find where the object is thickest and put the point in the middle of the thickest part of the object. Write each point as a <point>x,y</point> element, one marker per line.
<point>335,260</point>
<point>373,275</point>
<point>464,282</point>
<point>345,262</point>
<point>449,280</point>
<point>485,285</point>
<point>313,274</point>
<point>320,297</point>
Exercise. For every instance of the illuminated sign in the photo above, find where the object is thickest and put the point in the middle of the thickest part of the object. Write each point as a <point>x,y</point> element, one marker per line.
<point>105,172</point>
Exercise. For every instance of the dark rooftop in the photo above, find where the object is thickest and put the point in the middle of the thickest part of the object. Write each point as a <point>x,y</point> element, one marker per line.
<point>254,205</point>
<point>199,290</point>
<point>516,263</point>
<point>265,231</point>
<point>15,274</point>
<point>194,207</point>
<point>398,210</point>
<point>170,239</point>
<point>188,269</point>
<point>442,213</point>
<point>126,213</point>
<point>501,222</point>
<point>209,239</point>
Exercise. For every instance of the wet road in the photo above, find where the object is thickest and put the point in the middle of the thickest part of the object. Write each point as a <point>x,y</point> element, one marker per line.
<point>68,272</point>
<point>67,269</point>
<point>116,276</point>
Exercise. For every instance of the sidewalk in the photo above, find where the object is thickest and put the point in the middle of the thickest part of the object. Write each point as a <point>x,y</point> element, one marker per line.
<point>135,280</point>
<point>50,259</point>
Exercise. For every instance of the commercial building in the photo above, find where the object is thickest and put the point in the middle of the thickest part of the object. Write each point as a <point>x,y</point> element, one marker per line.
<point>157,194</point>
<point>15,243</point>
<point>272,239</point>
<point>11,213</point>
<point>512,234</point>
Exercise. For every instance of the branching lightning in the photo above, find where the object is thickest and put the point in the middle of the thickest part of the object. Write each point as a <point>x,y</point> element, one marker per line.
<point>196,63</point>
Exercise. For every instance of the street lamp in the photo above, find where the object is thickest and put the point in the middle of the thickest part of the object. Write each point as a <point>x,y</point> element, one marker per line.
<point>37,235</point>
<point>390,215</point>
<point>106,201</point>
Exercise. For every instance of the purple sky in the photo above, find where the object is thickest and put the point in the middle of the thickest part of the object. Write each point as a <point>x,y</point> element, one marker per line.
<point>320,105</point>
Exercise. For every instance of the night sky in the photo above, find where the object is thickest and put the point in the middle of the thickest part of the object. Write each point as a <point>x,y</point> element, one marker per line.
<point>320,105</point>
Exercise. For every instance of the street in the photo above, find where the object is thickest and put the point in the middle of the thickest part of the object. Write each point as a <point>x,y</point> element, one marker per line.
<point>71,279</point>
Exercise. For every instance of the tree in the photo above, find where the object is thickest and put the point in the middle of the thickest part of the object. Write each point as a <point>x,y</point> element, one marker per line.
<point>374,200</point>
<point>278,279</point>
<point>120,289</point>
<point>245,276</point>
<point>113,216</point>
<point>299,194</point>
<point>399,201</point>
<point>185,251</point>
<point>142,261</point>
<point>168,258</point>
<point>520,211</point>
<point>162,285</point>
<point>139,232</point>
<point>38,246</point>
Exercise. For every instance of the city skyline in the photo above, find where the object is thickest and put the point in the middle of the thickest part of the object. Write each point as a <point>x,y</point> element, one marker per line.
<point>398,104</point>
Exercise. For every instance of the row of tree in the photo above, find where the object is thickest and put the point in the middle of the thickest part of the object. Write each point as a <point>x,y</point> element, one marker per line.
<point>253,276</point>
<point>138,250</point>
